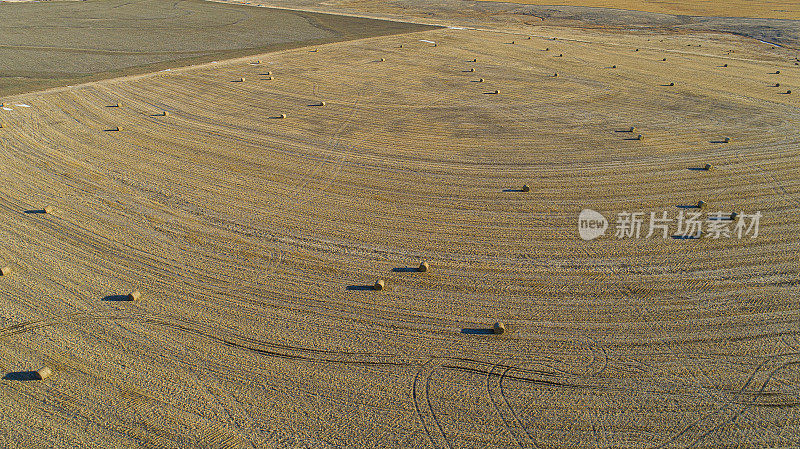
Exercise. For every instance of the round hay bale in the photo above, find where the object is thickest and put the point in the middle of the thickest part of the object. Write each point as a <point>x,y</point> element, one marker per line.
<point>43,373</point>
<point>724,65</point>
<point>268,73</point>
<point>708,167</point>
<point>379,285</point>
<point>671,84</point>
<point>474,59</point>
<point>526,188</point>
<point>424,267</point>
<point>322,103</point>
<point>640,137</point>
<point>555,75</point>
<point>788,92</point>
<point>400,46</point>
<point>701,204</point>
<point>726,140</point>
<point>636,49</point>
<point>547,49</point>
<point>664,59</point>
<point>734,215</point>
<point>496,91</point>
<point>1,125</point>
<point>134,295</point>
<point>561,55</point>
<point>480,80</point>
<point>5,271</point>
<point>498,328</point>
<point>435,45</point>
<point>48,209</point>
<point>613,66</point>
<point>529,38</point>
<point>632,129</point>
<point>471,69</point>
<point>269,78</point>
<point>777,72</point>
<point>383,60</point>
<point>282,116</point>
<point>241,80</point>
<point>777,84</point>
<point>165,113</point>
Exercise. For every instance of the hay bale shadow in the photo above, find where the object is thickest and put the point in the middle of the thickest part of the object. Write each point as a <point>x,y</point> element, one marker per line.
<point>686,237</point>
<point>513,190</point>
<point>22,376</point>
<point>360,287</point>
<point>687,206</point>
<point>405,270</point>
<point>116,298</point>
<point>36,211</point>
<point>477,331</point>
<point>697,168</point>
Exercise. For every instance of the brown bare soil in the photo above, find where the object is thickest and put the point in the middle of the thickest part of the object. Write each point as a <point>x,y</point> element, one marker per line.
<point>47,44</point>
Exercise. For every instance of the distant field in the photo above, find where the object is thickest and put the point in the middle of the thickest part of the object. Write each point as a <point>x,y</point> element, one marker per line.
<point>53,43</point>
<point>723,8</point>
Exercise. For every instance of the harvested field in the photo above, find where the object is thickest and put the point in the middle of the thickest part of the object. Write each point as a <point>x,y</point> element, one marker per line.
<point>256,243</point>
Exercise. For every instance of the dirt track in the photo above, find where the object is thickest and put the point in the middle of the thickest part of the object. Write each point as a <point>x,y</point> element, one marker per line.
<point>253,239</point>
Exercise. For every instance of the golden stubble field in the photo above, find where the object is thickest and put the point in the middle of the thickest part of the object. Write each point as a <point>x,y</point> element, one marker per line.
<point>254,240</point>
